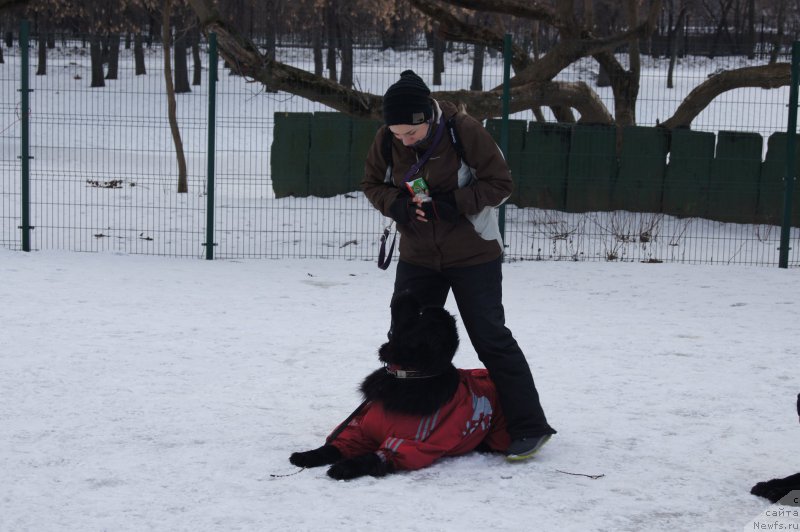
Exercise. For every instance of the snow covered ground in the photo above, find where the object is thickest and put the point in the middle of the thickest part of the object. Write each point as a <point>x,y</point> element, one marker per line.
<point>152,393</point>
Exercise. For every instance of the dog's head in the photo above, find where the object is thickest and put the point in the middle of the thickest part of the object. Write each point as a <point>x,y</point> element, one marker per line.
<point>422,339</point>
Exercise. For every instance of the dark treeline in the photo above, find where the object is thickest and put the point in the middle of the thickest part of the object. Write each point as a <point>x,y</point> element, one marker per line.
<point>697,27</point>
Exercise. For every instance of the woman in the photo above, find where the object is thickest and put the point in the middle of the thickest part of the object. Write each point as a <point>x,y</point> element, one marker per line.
<point>444,209</point>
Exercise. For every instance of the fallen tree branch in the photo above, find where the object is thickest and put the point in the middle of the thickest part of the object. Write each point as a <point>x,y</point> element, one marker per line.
<point>593,477</point>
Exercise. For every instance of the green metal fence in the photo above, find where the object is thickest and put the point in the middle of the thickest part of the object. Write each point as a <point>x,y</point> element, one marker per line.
<point>272,175</point>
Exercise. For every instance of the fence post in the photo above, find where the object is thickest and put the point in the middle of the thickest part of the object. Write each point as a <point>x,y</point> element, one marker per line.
<point>212,115</point>
<point>791,134</point>
<point>25,136</point>
<point>504,122</point>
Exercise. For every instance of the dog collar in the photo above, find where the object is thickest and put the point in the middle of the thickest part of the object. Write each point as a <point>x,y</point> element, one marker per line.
<point>400,373</point>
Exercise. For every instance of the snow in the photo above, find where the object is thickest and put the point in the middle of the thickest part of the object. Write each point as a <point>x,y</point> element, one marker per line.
<point>167,394</point>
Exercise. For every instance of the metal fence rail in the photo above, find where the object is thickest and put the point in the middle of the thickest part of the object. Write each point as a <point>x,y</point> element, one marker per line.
<point>103,173</point>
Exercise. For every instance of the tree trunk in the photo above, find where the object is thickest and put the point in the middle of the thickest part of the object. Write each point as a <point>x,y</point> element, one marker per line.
<point>138,55</point>
<point>630,93</point>
<point>316,44</point>
<point>181,64</point>
<point>751,29</point>
<point>332,40</point>
<point>563,114</point>
<point>346,47</point>
<point>438,59</point>
<point>96,55</point>
<point>674,37</point>
<point>271,39</point>
<point>777,42</point>
<point>721,27</point>
<point>625,83</point>
<point>41,68</point>
<point>104,48</point>
<point>113,57</point>
<point>197,62</point>
<point>673,58</point>
<point>603,79</point>
<point>183,186</point>
<point>477,68</point>
<point>331,60</point>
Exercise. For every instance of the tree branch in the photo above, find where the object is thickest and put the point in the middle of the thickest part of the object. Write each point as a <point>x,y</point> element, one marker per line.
<point>517,8</point>
<point>244,55</point>
<point>577,95</point>
<point>765,76</point>
<point>453,29</point>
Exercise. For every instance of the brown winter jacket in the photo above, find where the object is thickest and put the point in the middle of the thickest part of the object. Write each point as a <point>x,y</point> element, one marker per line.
<point>478,188</point>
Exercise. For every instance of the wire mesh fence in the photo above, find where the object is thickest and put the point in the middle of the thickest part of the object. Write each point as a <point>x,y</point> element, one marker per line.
<point>104,173</point>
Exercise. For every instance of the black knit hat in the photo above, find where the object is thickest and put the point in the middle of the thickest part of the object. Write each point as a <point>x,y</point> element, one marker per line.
<point>408,101</point>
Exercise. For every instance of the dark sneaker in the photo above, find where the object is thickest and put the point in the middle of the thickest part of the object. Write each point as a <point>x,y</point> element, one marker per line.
<point>525,448</point>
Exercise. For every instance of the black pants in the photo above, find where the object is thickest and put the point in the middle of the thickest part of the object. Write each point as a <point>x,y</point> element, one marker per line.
<point>479,295</point>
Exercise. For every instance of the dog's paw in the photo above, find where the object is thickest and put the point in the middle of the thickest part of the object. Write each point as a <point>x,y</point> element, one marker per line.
<point>327,454</point>
<point>365,464</point>
<point>777,488</point>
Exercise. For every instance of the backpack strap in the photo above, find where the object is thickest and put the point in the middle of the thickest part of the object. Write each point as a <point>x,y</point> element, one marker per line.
<point>455,139</point>
<point>452,134</point>
<point>386,146</point>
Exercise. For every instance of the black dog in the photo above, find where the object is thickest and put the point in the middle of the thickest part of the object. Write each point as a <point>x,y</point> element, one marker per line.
<point>778,488</point>
<point>418,407</point>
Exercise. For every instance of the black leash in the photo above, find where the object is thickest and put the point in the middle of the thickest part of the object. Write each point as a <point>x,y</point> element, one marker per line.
<point>385,259</point>
<point>338,430</point>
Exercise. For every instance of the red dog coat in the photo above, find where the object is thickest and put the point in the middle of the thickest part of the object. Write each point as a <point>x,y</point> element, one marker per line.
<point>472,416</point>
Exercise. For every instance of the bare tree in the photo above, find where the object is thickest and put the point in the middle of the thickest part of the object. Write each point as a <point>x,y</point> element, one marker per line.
<point>166,37</point>
<point>330,15</point>
<point>197,63</point>
<point>41,49</point>
<point>180,49</point>
<point>140,68</point>
<point>96,59</point>
<point>113,56</point>
<point>778,40</point>
<point>722,24</point>
<point>751,29</point>
<point>438,59</point>
<point>674,32</point>
<point>477,67</point>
